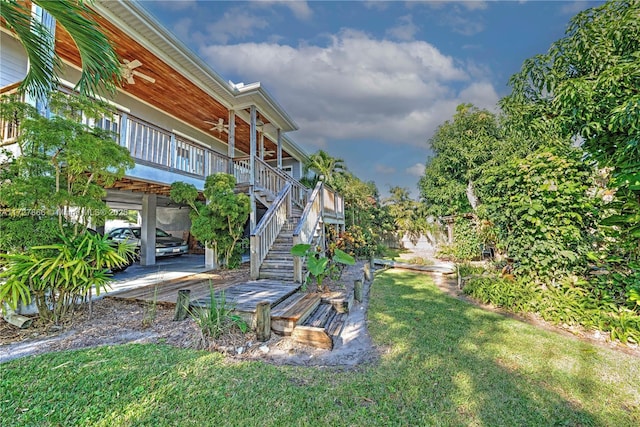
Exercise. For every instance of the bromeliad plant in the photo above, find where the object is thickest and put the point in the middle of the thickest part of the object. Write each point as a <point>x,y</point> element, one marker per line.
<point>318,264</point>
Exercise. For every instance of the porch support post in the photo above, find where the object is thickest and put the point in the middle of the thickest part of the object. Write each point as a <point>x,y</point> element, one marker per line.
<point>279,154</point>
<point>148,231</point>
<point>261,146</point>
<point>252,170</point>
<point>231,148</point>
<point>210,254</point>
<point>124,129</point>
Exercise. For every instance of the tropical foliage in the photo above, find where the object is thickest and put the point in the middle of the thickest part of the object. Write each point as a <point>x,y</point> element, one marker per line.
<point>61,275</point>
<point>100,64</point>
<point>318,264</point>
<point>556,179</point>
<point>60,172</point>
<point>54,186</point>
<point>220,223</point>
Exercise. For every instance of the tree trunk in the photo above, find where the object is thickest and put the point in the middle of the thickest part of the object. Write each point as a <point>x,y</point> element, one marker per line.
<point>471,196</point>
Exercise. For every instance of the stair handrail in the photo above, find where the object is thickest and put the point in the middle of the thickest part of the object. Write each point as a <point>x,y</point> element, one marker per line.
<point>304,231</point>
<point>266,172</point>
<point>267,230</point>
<point>267,178</point>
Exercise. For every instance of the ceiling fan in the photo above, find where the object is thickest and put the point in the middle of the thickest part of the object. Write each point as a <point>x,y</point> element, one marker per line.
<point>129,70</point>
<point>219,125</point>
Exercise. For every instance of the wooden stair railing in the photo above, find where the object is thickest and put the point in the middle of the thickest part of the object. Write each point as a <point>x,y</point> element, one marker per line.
<point>306,228</point>
<point>268,228</point>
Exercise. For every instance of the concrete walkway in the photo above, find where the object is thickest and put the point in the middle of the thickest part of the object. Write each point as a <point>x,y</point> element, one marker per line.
<point>165,269</point>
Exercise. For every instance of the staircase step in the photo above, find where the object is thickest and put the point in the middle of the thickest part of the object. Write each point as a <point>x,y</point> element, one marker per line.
<point>277,265</point>
<point>321,329</point>
<point>279,256</point>
<point>277,275</point>
<point>292,311</point>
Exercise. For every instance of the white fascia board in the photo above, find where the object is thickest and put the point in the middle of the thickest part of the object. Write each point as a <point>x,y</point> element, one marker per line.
<point>255,94</point>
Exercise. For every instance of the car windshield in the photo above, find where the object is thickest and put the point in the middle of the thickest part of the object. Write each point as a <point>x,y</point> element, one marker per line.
<point>136,232</point>
<point>160,233</point>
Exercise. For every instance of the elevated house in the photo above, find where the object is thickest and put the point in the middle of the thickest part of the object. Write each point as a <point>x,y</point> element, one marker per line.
<point>182,122</point>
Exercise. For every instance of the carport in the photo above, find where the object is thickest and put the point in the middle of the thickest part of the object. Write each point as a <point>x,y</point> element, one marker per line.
<point>156,210</point>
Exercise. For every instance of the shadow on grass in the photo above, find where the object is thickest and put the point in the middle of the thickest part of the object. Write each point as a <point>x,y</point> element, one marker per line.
<point>475,367</point>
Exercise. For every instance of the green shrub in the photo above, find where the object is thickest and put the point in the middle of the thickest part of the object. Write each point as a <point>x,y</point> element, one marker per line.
<point>61,275</point>
<point>219,318</point>
<point>466,242</point>
<point>569,303</point>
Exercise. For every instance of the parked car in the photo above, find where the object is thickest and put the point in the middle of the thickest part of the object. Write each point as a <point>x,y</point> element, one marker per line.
<point>166,244</point>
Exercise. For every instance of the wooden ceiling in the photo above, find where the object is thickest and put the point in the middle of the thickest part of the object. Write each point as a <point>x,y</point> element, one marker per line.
<point>135,185</point>
<point>171,92</point>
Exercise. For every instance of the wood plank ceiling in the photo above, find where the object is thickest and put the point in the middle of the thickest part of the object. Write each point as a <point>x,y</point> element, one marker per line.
<point>171,92</point>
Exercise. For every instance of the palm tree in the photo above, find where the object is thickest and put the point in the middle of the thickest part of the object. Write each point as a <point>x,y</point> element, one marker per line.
<point>325,167</point>
<point>100,64</point>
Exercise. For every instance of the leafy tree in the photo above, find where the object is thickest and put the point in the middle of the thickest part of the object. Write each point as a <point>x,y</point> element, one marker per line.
<point>60,171</point>
<point>461,148</point>
<point>220,223</point>
<point>100,64</point>
<point>409,216</point>
<point>586,85</point>
<point>325,167</point>
<point>543,212</point>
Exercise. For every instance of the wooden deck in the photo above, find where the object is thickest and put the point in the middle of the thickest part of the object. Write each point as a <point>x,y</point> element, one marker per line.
<point>240,293</point>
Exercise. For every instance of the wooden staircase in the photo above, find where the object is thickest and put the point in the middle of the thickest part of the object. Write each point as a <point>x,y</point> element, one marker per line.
<point>312,319</point>
<point>278,264</point>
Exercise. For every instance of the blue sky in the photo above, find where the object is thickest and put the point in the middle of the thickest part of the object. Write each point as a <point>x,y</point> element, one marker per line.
<point>370,81</point>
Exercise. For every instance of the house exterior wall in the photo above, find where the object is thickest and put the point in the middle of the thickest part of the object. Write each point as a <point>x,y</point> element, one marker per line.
<point>295,164</point>
<point>14,60</point>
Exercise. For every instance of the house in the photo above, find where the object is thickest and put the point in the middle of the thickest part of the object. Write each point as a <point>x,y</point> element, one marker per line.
<point>182,122</point>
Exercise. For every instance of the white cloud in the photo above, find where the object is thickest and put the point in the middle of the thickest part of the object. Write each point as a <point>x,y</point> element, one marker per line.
<point>474,5</point>
<point>416,170</point>
<point>299,8</point>
<point>405,30</point>
<point>235,24</point>
<point>384,169</point>
<point>463,25</point>
<point>356,86</point>
<point>376,4</point>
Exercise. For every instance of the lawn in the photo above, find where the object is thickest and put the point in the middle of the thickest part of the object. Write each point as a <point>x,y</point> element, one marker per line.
<point>443,362</point>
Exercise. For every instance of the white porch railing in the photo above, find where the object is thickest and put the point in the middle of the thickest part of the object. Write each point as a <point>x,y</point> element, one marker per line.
<point>268,228</point>
<point>242,170</point>
<point>333,205</point>
<point>148,143</point>
<point>151,144</point>
<point>268,178</point>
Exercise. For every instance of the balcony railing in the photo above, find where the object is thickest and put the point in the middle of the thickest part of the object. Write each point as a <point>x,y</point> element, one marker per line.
<point>150,144</point>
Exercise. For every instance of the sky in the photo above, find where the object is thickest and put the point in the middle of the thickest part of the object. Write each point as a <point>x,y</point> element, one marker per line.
<point>370,81</point>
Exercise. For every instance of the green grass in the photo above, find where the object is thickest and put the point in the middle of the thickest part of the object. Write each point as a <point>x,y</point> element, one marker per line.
<point>392,254</point>
<point>445,362</point>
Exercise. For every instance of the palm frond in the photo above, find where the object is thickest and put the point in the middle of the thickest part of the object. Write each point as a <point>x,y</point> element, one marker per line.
<point>100,64</point>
